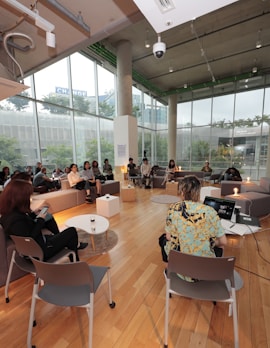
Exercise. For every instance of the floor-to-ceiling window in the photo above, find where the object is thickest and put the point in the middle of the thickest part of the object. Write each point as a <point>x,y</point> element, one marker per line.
<point>67,115</point>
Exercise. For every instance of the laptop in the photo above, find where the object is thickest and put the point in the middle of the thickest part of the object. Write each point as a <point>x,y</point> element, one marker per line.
<point>224,207</point>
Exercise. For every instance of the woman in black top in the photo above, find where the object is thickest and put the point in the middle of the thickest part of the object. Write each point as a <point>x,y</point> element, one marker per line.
<point>17,219</point>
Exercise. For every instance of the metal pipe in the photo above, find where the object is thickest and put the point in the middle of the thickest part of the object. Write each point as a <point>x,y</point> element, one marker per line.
<point>76,19</point>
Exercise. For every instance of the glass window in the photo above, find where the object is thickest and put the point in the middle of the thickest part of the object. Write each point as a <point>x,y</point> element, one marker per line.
<point>137,104</point>
<point>201,113</point>
<point>248,105</point>
<point>52,83</point>
<point>55,138</point>
<point>106,93</point>
<point>223,109</point>
<point>106,141</point>
<point>184,114</point>
<point>83,83</point>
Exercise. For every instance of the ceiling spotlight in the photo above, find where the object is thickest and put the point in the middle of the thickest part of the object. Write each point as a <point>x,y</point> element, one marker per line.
<point>259,40</point>
<point>185,85</point>
<point>170,69</point>
<point>147,42</point>
<point>254,70</point>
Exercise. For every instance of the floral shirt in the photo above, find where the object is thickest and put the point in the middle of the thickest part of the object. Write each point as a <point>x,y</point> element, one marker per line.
<point>191,225</point>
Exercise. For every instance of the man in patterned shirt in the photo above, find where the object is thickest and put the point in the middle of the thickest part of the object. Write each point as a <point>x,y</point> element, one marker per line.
<point>193,227</point>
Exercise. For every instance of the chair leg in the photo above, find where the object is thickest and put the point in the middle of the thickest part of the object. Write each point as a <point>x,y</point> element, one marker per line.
<point>167,303</point>
<point>235,320</point>
<point>111,302</point>
<point>32,321</point>
<point>12,261</point>
<point>91,318</point>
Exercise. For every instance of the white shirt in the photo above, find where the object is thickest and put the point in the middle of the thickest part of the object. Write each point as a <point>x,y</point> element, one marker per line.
<point>74,178</point>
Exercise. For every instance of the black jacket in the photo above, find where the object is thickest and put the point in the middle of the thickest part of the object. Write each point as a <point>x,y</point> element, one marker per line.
<point>24,225</point>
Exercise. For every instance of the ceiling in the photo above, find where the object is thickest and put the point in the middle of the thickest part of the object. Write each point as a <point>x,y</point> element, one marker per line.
<point>212,50</point>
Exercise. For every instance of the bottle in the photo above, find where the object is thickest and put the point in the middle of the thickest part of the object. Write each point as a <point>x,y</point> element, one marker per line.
<point>93,224</point>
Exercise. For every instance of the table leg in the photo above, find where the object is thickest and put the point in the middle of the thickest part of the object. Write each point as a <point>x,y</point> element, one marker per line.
<point>93,242</point>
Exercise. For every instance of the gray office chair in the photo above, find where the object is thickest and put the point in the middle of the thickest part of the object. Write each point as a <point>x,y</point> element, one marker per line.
<point>216,283</point>
<point>26,247</point>
<point>70,284</point>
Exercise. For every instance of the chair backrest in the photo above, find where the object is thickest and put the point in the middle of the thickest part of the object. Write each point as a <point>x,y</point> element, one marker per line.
<point>65,274</point>
<point>27,246</point>
<point>201,267</point>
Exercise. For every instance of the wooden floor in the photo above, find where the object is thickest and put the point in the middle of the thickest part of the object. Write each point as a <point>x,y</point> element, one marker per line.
<point>139,292</point>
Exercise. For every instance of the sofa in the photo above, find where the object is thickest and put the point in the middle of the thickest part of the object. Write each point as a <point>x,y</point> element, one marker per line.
<point>68,197</point>
<point>244,186</point>
<point>253,199</point>
<point>158,177</point>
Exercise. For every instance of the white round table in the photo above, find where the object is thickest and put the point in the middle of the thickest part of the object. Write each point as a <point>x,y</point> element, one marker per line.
<point>83,222</point>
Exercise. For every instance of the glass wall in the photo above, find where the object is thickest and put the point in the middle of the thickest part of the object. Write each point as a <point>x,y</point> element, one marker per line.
<point>226,130</point>
<point>67,116</point>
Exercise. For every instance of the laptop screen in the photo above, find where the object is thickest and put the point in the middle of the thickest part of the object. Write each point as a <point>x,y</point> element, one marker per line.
<point>224,207</point>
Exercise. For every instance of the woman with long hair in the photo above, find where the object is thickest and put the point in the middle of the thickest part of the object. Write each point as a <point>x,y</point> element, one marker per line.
<point>170,171</point>
<point>18,219</point>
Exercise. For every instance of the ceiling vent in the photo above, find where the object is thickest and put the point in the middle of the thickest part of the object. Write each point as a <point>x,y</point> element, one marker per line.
<point>165,5</point>
<point>166,14</point>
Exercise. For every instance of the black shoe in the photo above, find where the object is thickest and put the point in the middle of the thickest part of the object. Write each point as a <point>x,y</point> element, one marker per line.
<point>82,246</point>
<point>88,199</point>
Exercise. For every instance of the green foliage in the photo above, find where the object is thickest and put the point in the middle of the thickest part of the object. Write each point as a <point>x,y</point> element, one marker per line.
<point>243,122</point>
<point>57,104</point>
<point>9,154</point>
<point>58,155</point>
<point>58,99</point>
<point>106,109</point>
<point>162,149</point>
<point>19,103</point>
<point>107,151</point>
<point>200,150</point>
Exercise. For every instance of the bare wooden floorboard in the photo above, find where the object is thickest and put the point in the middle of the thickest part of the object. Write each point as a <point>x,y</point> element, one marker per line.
<point>139,292</point>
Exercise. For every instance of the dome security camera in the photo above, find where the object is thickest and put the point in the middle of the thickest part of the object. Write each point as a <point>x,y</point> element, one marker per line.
<point>159,49</point>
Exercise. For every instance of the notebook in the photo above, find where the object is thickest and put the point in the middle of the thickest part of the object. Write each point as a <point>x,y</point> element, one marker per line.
<point>224,207</point>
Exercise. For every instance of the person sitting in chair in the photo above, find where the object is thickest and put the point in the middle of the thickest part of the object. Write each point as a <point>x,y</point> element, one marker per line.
<point>191,226</point>
<point>146,172</point>
<point>131,168</point>
<point>232,174</point>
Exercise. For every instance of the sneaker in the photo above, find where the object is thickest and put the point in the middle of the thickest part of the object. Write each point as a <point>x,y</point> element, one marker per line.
<point>98,194</point>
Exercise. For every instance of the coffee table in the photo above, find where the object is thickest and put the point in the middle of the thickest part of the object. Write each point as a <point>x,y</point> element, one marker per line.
<point>101,225</point>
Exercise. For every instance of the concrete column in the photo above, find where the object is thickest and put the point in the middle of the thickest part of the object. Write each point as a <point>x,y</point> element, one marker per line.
<point>124,77</point>
<point>125,125</point>
<point>172,123</point>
